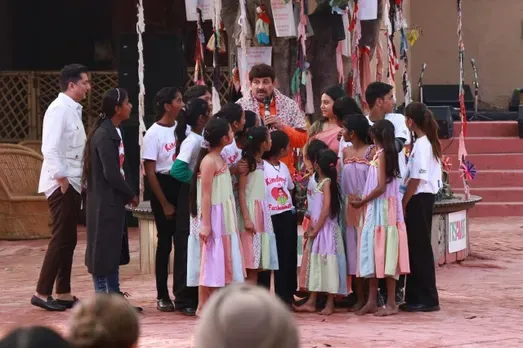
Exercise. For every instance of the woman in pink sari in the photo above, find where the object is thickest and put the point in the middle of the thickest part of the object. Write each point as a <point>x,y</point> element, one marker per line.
<point>326,128</point>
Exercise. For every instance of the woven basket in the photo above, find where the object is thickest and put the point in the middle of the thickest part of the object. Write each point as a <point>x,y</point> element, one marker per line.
<point>35,145</point>
<point>24,214</point>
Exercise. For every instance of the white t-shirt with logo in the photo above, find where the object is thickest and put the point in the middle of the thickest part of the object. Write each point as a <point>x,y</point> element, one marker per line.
<point>159,144</point>
<point>278,183</point>
<point>231,153</point>
<point>424,166</point>
<point>190,149</point>
<point>400,131</point>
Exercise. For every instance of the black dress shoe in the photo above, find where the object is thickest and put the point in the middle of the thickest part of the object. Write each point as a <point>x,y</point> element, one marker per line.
<point>418,308</point>
<point>188,311</point>
<point>164,305</point>
<point>68,304</point>
<point>50,304</point>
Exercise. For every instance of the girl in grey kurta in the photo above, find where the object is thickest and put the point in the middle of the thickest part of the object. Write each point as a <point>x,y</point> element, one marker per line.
<point>107,193</point>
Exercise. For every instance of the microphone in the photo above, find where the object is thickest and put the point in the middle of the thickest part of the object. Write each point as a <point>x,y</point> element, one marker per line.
<point>267,102</point>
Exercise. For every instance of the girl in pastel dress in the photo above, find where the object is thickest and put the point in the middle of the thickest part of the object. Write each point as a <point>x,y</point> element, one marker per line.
<point>214,257</point>
<point>383,249</point>
<point>256,230</point>
<point>355,166</point>
<point>324,264</point>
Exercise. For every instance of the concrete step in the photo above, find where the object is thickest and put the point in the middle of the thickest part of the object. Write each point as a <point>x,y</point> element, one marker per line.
<point>484,145</point>
<point>495,194</point>
<point>488,129</point>
<point>489,178</point>
<point>497,209</point>
<point>492,161</point>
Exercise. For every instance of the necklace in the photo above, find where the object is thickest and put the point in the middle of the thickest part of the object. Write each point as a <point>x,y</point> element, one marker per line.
<point>274,166</point>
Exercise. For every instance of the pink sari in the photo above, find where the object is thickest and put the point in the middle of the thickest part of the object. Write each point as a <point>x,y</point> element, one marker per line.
<point>330,137</point>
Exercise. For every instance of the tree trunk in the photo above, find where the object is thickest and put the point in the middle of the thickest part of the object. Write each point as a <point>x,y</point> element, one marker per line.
<point>321,47</point>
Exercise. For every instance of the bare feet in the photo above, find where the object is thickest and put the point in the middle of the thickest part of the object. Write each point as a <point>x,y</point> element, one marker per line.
<point>306,308</point>
<point>356,307</point>
<point>386,311</point>
<point>368,308</point>
<point>328,310</point>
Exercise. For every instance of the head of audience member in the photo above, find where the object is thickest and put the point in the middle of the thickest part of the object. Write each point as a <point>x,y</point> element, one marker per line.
<point>345,106</point>
<point>33,337</point>
<point>243,315</point>
<point>104,321</point>
<point>74,81</point>
<point>380,99</point>
<point>328,98</point>
<point>234,114</point>
<point>198,91</point>
<point>262,77</point>
<point>168,102</point>
<point>251,120</point>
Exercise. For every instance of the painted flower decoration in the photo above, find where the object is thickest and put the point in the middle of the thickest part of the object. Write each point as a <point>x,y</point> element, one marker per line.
<point>468,170</point>
<point>446,163</point>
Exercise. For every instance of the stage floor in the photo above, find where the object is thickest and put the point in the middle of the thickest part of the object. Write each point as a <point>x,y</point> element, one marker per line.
<point>481,299</point>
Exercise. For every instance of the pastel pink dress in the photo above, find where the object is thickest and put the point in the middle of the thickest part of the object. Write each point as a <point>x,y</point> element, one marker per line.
<point>353,179</point>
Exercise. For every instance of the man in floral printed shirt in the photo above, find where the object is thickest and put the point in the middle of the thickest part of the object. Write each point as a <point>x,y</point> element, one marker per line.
<point>277,111</point>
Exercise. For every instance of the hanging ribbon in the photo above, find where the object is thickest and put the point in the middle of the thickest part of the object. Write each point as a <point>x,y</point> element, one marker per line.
<point>393,64</point>
<point>243,24</point>
<point>199,65</point>
<point>140,29</point>
<point>355,29</point>
<point>462,151</point>
<point>216,82</point>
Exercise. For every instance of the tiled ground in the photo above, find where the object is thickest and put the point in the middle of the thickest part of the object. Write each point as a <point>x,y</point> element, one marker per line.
<point>481,299</point>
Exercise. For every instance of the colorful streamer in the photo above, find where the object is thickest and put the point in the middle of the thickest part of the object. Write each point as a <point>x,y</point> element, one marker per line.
<point>355,30</point>
<point>462,151</point>
<point>140,29</point>
<point>243,24</point>
<point>199,65</point>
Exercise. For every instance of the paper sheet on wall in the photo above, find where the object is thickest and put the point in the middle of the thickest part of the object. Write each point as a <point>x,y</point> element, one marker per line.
<point>207,10</point>
<point>255,55</point>
<point>283,17</point>
<point>368,9</point>
<point>347,43</point>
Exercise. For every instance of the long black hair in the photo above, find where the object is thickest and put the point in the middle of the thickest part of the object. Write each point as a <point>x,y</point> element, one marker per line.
<point>280,141</point>
<point>359,125</point>
<point>382,132</point>
<point>214,131</point>
<point>327,160</point>
<point>313,148</point>
<point>112,98</point>
<point>256,136</point>
<point>420,114</point>
<point>164,96</point>
<point>232,112</point>
<point>345,106</point>
<point>192,112</point>
<point>250,121</point>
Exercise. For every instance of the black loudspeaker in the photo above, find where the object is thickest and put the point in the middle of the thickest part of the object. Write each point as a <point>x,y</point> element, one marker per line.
<point>443,116</point>
<point>520,121</point>
<point>164,66</point>
<point>447,95</point>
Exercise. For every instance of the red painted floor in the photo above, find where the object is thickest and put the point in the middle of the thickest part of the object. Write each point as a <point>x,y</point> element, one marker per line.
<point>481,299</point>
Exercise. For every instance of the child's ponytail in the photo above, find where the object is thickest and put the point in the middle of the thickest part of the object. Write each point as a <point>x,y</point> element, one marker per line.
<point>327,161</point>
<point>214,131</point>
<point>422,117</point>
